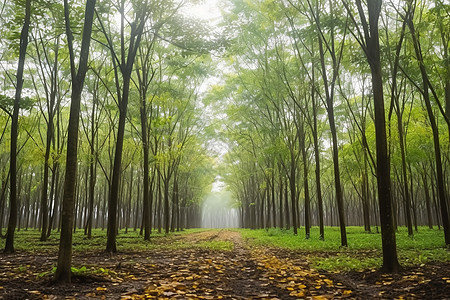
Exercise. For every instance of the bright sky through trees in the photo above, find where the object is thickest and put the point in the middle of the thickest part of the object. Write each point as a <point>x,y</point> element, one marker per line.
<point>207,10</point>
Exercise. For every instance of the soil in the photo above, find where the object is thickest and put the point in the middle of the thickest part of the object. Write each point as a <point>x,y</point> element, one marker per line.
<point>199,273</point>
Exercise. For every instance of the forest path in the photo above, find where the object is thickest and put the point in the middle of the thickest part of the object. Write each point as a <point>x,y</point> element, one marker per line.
<point>245,272</point>
<point>213,274</point>
<point>208,264</point>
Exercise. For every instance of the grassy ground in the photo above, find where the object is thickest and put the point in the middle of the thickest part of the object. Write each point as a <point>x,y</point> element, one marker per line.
<point>363,251</point>
<point>236,263</point>
<point>28,241</point>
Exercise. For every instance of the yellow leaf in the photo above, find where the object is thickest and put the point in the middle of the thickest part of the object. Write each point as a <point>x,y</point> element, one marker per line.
<point>347,292</point>
<point>101,288</point>
<point>297,294</point>
<point>34,292</point>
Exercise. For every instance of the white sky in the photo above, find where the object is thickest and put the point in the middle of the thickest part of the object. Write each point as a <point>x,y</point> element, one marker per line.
<point>207,10</point>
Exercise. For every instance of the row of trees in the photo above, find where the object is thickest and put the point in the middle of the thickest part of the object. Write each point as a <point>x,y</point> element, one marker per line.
<point>320,119</point>
<point>333,105</point>
<point>105,125</point>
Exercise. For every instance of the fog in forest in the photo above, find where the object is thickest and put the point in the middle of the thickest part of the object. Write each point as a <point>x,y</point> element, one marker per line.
<point>218,211</point>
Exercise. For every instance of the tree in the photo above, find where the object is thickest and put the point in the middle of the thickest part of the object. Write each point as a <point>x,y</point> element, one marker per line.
<point>9,244</point>
<point>425,91</point>
<point>123,64</point>
<point>145,74</point>
<point>368,39</point>
<point>47,60</point>
<point>63,269</point>
<point>329,87</point>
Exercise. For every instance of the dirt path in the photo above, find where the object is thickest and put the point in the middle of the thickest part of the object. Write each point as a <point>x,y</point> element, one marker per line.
<point>195,272</point>
<point>234,273</point>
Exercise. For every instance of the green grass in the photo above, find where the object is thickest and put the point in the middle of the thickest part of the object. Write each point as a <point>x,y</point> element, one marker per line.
<point>28,241</point>
<point>363,251</point>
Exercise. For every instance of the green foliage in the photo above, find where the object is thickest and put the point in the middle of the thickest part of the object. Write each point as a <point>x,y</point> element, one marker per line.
<point>7,103</point>
<point>364,251</point>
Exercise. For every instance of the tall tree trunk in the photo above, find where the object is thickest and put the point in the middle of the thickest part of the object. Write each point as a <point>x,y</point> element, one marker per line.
<point>113,199</point>
<point>280,197</point>
<point>177,201</point>
<point>3,199</point>
<point>54,195</point>
<point>286,205</point>
<point>166,206</point>
<point>305,181</point>
<point>317,163</point>
<point>372,50</point>
<point>435,130</point>
<point>293,193</point>
<point>130,197</point>
<point>126,68</point>
<point>427,200</point>
<point>9,243</point>
<point>92,168</point>
<point>159,204</point>
<point>63,272</point>
<point>44,197</point>
<point>274,212</point>
<point>407,197</point>
<point>366,194</point>
<point>146,191</point>
<point>329,97</point>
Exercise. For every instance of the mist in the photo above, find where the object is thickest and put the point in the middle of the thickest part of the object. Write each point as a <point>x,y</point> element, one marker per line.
<point>218,211</point>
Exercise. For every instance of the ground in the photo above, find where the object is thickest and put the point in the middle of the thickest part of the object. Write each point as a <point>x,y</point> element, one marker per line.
<point>243,272</point>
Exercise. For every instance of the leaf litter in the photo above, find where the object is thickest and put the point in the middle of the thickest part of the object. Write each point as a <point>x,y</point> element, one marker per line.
<point>245,272</point>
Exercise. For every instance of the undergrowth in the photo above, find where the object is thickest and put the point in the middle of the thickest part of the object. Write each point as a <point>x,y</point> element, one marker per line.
<point>28,241</point>
<point>363,251</point>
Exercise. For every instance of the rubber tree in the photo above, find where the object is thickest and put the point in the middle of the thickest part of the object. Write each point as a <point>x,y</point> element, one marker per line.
<point>63,270</point>
<point>366,32</point>
<point>123,61</point>
<point>425,91</point>
<point>47,60</point>
<point>328,45</point>
<point>9,243</point>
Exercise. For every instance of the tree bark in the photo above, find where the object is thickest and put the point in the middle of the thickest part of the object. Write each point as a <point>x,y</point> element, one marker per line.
<point>329,97</point>
<point>125,69</point>
<point>435,130</point>
<point>390,261</point>
<point>317,164</point>
<point>305,181</point>
<point>63,271</point>
<point>9,243</point>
